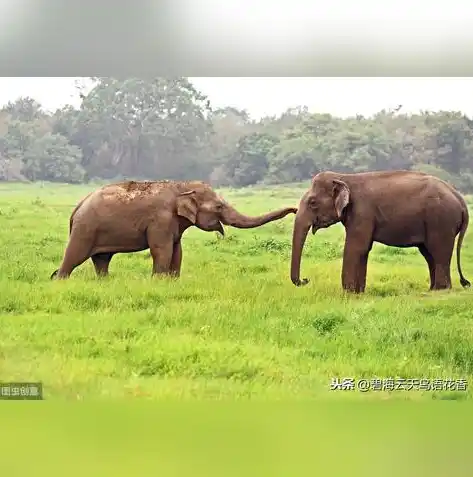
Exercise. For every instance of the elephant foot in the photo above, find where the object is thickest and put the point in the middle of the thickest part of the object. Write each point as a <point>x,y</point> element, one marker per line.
<point>353,289</point>
<point>441,288</point>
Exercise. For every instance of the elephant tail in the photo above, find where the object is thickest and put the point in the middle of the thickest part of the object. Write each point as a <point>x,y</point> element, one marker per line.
<point>54,274</point>
<point>77,207</point>
<point>463,281</point>
<point>71,220</point>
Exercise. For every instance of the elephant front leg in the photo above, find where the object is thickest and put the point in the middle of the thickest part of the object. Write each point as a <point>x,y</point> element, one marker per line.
<point>161,247</point>
<point>355,262</point>
<point>176,260</point>
<point>361,277</point>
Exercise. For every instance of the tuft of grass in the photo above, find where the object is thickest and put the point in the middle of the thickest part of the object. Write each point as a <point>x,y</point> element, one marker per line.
<point>233,325</point>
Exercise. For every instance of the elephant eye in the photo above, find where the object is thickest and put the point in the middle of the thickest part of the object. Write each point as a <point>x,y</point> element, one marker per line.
<point>313,203</point>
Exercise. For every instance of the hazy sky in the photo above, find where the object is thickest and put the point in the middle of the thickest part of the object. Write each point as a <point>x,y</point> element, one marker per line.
<point>267,96</point>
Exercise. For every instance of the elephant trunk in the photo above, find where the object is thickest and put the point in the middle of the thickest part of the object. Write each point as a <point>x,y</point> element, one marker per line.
<point>235,219</point>
<point>299,235</point>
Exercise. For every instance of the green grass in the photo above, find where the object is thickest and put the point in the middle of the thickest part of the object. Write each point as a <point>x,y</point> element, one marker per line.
<point>233,326</point>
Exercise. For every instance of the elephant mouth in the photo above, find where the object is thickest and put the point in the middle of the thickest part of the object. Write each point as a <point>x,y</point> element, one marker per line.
<point>217,227</point>
<point>321,225</point>
<point>213,227</point>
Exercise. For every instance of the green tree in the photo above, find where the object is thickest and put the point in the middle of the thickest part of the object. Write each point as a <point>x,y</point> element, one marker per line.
<point>144,128</point>
<point>52,158</point>
<point>249,164</point>
<point>24,109</point>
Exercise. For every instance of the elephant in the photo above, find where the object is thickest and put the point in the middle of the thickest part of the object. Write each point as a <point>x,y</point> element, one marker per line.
<point>132,216</point>
<point>396,208</point>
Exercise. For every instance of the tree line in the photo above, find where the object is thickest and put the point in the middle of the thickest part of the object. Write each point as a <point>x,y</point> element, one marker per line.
<point>164,128</point>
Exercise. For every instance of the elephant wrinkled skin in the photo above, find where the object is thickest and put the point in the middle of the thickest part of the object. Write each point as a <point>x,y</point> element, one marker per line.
<point>134,216</point>
<point>395,208</point>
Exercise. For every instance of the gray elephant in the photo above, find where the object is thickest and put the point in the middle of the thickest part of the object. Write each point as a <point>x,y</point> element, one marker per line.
<point>396,208</point>
<point>134,216</point>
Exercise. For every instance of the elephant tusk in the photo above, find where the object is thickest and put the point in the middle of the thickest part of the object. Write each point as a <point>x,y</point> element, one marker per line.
<point>221,230</point>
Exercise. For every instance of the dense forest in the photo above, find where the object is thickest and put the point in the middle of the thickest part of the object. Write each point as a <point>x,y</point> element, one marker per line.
<point>164,128</point>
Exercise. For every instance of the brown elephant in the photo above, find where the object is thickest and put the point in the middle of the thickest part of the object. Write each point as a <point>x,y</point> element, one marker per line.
<point>395,208</point>
<point>134,216</point>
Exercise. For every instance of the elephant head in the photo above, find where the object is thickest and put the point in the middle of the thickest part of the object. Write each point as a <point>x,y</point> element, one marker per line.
<point>320,207</point>
<point>202,207</point>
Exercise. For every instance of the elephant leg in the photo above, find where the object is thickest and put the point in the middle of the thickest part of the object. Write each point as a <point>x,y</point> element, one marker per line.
<point>430,262</point>
<point>355,260</point>
<point>101,263</point>
<point>161,247</point>
<point>361,278</point>
<point>441,250</point>
<point>77,252</point>
<point>176,260</point>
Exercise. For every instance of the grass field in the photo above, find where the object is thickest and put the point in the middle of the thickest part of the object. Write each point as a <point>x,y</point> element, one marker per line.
<point>233,326</point>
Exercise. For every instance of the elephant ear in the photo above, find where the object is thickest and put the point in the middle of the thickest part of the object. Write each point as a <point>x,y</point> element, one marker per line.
<point>187,206</point>
<point>341,195</point>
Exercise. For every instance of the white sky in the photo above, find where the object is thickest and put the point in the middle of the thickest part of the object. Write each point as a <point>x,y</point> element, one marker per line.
<point>268,96</point>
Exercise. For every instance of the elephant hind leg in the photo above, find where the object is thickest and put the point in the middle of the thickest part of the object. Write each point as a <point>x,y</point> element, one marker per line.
<point>430,262</point>
<point>77,252</point>
<point>101,263</point>
<point>441,251</point>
